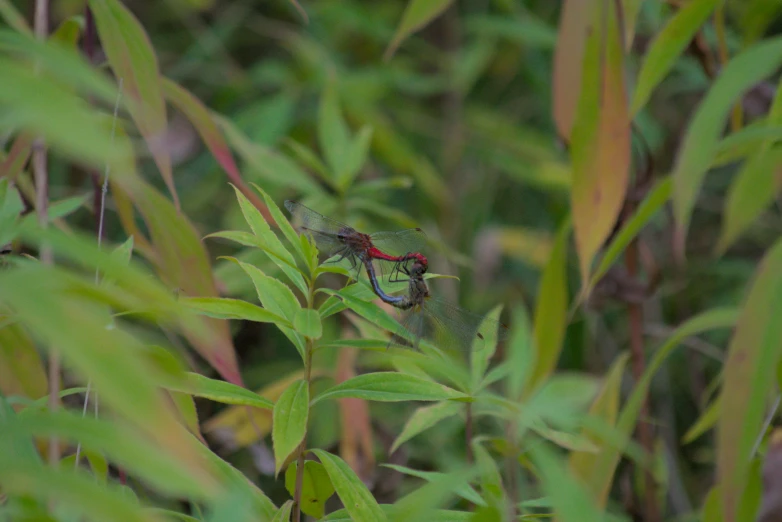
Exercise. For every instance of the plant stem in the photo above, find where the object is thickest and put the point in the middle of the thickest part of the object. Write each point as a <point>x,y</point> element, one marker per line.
<point>41,175</point>
<point>309,349</point>
<point>736,116</point>
<point>638,362</point>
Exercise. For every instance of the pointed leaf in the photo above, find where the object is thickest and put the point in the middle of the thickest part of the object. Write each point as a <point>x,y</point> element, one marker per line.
<point>749,373</point>
<point>606,408</point>
<point>227,308</point>
<point>705,422</point>
<point>600,143</point>
<point>521,353</point>
<point>284,513</point>
<point>289,424</point>
<point>755,186</point>
<point>574,20</point>
<point>652,203</point>
<point>269,242</point>
<point>424,418</point>
<point>221,391</point>
<point>333,133</point>
<point>390,387</point>
<point>551,310</point>
<point>567,494</point>
<point>699,144</point>
<point>133,59</point>
<point>418,14</point>
<point>668,45</point>
<point>355,496</point>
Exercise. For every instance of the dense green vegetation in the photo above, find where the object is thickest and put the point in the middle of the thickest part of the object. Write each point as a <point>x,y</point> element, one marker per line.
<point>600,175</point>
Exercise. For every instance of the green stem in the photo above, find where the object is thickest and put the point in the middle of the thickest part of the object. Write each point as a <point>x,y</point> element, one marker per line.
<point>302,449</point>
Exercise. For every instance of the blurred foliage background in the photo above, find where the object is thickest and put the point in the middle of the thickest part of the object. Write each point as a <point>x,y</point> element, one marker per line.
<point>606,171</point>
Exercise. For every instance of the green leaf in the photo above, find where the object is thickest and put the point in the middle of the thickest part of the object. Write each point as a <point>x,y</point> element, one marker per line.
<point>92,144</point>
<point>356,155</point>
<point>269,242</point>
<point>424,418</point>
<point>13,17</point>
<point>390,387</point>
<point>648,208</point>
<point>667,46</point>
<point>333,135</point>
<point>417,14</point>
<point>483,349</point>
<point>699,144</point>
<point>601,478</point>
<point>276,297</point>
<point>466,491</point>
<point>138,454</point>
<point>132,59</point>
<point>282,223</point>
<point>749,374</point>
<point>551,310</point>
<point>76,491</point>
<point>227,308</point>
<point>521,353</point>
<point>606,408</point>
<point>600,141</point>
<point>316,487</point>
<point>221,391</point>
<point>563,396</point>
<point>176,515</point>
<point>755,186</point>
<point>355,496</point>
<point>421,503</point>
<point>289,421</point>
<point>569,497</point>
<point>307,323</point>
<point>284,513</point>
<point>705,422</point>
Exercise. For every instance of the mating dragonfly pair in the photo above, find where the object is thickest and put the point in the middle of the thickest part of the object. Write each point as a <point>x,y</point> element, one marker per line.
<point>448,326</point>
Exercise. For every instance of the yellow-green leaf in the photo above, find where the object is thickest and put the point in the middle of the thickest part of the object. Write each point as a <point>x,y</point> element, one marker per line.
<point>600,142</point>
<point>417,14</point>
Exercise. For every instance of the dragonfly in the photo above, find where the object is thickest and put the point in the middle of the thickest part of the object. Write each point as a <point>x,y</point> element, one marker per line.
<point>338,239</point>
<point>451,327</point>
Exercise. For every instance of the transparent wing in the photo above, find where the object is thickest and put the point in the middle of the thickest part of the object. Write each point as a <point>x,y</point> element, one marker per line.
<point>453,328</point>
<point>308,218</point>
<point>400,242</point>
<point>322,229</point>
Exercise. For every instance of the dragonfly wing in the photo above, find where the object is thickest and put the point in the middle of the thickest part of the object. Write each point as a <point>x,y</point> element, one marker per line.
<point>456,328</point>
<point>400,242</point>
<point>308,218</point>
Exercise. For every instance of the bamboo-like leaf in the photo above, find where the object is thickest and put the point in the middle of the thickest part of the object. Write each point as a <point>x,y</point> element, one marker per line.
<point>390,387</point>
<point>749,373</point>
<point>699,144</point>
<point>221,391</point>
<point>424,418</point>
<point>568,63</point>
<point>551,310</point>
<point>756,184</point>
<point>600,141</point>
<point>132,58</point>
<point>417,14</point>
<point>667,46</point>
<point>355,496</point>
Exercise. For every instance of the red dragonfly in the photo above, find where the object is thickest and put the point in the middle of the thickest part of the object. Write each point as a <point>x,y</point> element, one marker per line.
<point>338,239</point>
<point>449,326</point>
